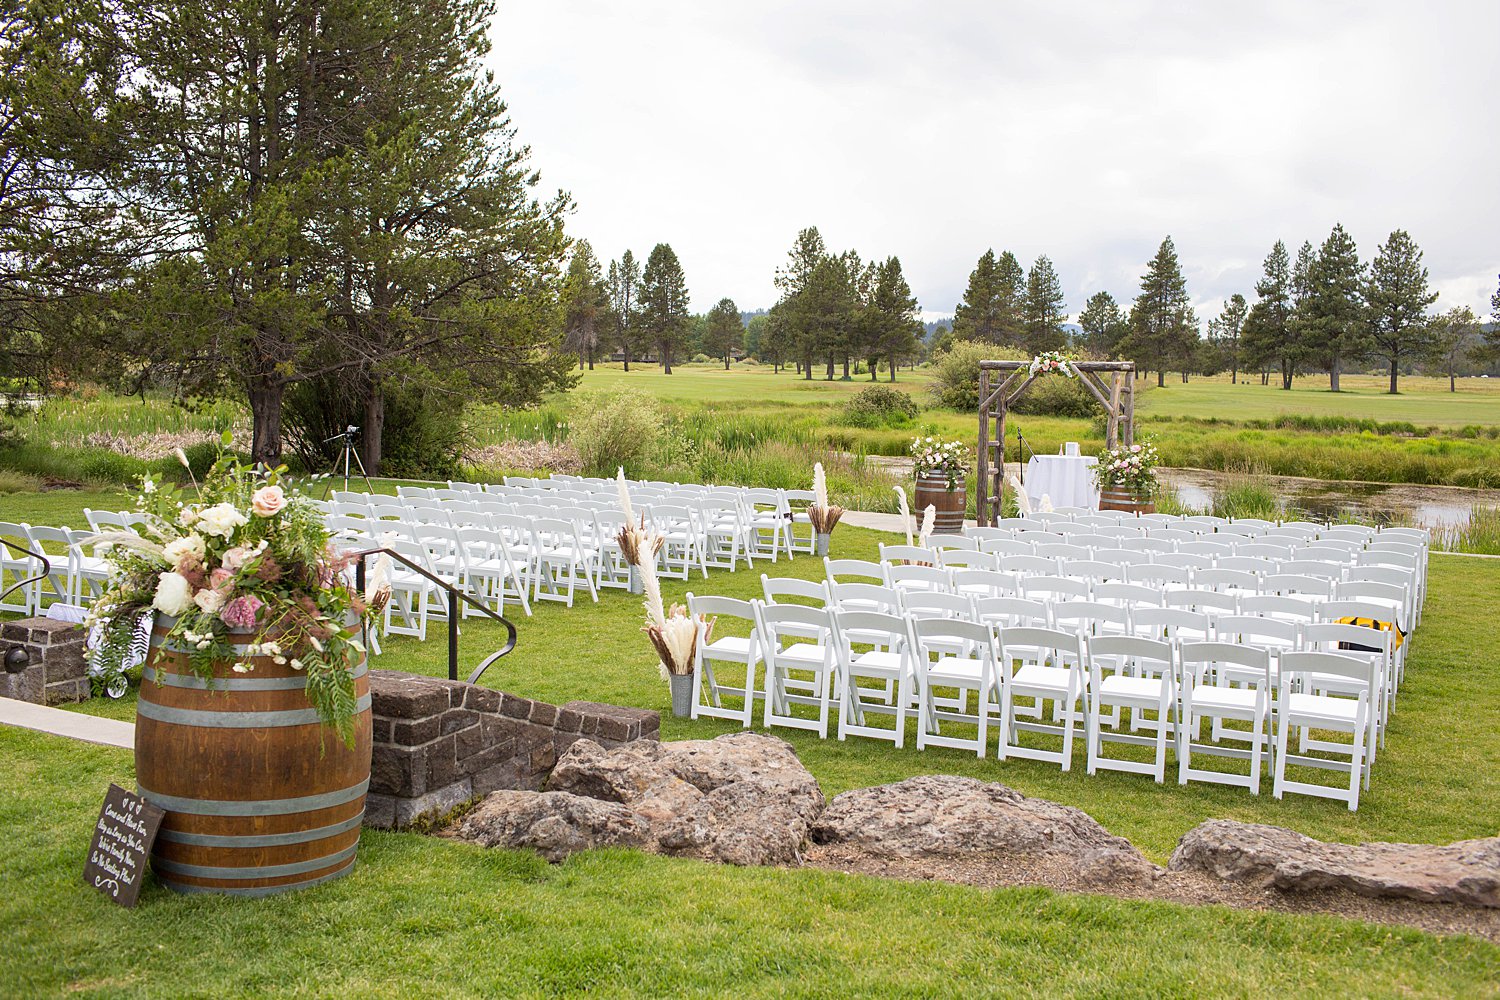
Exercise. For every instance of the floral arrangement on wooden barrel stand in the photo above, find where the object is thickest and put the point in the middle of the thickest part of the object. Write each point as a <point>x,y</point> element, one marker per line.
<point>1131,468</point>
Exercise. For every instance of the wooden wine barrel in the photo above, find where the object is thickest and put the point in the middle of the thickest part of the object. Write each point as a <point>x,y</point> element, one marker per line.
<point>1110,499</point>
<point>933,490</point>
<point>260,796</point>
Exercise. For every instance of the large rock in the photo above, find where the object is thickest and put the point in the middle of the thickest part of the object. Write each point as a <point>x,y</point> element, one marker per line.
<point>1464,872</point>
<point>950,816</point>
<point>555,824</point>
<point>744,799</point>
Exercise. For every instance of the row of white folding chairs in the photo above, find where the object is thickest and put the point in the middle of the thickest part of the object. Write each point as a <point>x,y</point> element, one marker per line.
<point>810,658</point>
<point>1061,519</point>
<point>75,572</point>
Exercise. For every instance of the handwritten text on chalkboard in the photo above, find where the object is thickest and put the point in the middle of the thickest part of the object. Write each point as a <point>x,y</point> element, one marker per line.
<point>122,841</point>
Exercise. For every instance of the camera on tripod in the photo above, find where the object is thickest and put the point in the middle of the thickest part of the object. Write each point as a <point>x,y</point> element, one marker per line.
<point>350,456</point>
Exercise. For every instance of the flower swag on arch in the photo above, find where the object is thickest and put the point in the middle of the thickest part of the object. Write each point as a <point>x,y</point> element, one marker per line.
<point>1052,363</point>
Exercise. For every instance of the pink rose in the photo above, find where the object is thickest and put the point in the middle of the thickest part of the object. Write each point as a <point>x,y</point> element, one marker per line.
<point>221,579</point>
<point>241,612</point>
<point>235,559</point>
<point>267,501</point>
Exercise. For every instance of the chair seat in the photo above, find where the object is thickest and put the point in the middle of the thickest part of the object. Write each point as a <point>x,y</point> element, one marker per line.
<point>1210,696</point>
<point>731,647</point>
<point>1117,686</point>
<point>1322,708</point>
<point>1042,678</point>
<point>804,652</point>
<point>879,663</point>
<point>956,669</point>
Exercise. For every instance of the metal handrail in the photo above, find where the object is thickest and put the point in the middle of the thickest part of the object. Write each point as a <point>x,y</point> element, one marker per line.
<point>1020,455</point>
<point>454,596</point>
<point>46,567</point>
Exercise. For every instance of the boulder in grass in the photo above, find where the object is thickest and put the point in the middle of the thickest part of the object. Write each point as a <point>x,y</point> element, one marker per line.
<point>950,816</point>
<point>554,824</point>
<point>1466,872</point>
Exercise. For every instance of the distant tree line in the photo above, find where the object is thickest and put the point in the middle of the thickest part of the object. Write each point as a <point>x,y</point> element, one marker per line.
<point>1325,311</point>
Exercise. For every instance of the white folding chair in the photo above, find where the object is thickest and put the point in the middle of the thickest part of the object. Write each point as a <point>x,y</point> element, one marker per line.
<point>742,652</point>
<point>961,657</point>
<point>1128,672</point>
<point>1309,701</point>
<point>1053,668</point>
<point>1223,681</point>
<point>890,661</point>
<point>797,673</point>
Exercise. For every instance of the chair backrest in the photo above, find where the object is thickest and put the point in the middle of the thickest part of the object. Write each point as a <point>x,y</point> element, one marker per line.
<point>1031,643</point>
<point>935,604</point>
<point>703,605</point>
<point>1161,575</point>
<point>1090,617</point>
<point>908,553</point>
<point>1183,560</point>
<point>1092,570</point>
<point>1054,587</point>
<point>1371,590</point>
<point>987,534</point>
<point>1258,631</point>
<point>1206,547</point>
<point>1160,546</point>
<point>1332,554</point>
<point>773,622</point>
<point>1011,611</point>
<point>1007,547</point>
<point>1254,662</point>
<point>1063,550</point>
<point>1028,565</point>
<point>1392,575</point>
<point>1264,550</point>
<point>1276,606</point>
<point>1203,600</point>
<point>1314,664</point>
<point>918,577</point>
<point>1330,636</point>
<point>861,569</point>
<point>1131,654</point>
<point>789,590</point>
<point>1129,594</point>
<point>1332,611</point>
<point>949,541</point>
<point>1123,556</point>
<point>1226,579</point>
<point>1312,567</point>
<point>105,520</point>
<point>939,634</point>
<point>983,583</point>
<point>1021,523</point>
<point>1388,557</point>
<point>969,558</point>
<point>1123,531</point>
<point>864,597</point>
<point>892,631</point>
<point>1293,583</point>
<point>1421,536</point>
<point>1249,564</point>
<point>1176,624</point>
<point>1351,532</point>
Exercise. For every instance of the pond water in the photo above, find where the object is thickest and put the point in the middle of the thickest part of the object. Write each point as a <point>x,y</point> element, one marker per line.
<point>1321,499</point>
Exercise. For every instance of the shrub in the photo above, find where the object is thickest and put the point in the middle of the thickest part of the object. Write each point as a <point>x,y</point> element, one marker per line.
<point>613,429</point>
<point>422,436</point>
<point>18,482</point>
<point>1057,396</point>
<point>879,406</point>
<point>702,359</point>
<point>955,372</point>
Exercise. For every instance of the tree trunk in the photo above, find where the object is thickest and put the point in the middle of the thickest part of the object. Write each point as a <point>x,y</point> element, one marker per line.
<point>829,376</point>
<point>591,358</point>
<point>726,361</point>
<point>1234,375</point>
<point>1333,376</point>
<point>1393,390</point>
<point>893,368</point>
<point>265,416</point>
<point>626,352</point>
<point>807,369</point>
<point>1161,378</point>
<point>666,361</point>
<point>846,368</point>
<point>1452,382</point>
<point>372,433</point>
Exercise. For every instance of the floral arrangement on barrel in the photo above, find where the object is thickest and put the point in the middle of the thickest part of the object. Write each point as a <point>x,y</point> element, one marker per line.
<point>1131,468</point>
<point>949,459</point>
<point>244,555</point>
<point>823,515</point>
<point>1052,363</point>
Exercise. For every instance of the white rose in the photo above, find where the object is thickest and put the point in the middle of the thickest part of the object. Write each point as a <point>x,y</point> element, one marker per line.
<point>174,594</point>
<point>209,601</point>
<point>185,548</point>
<point>221,519</point>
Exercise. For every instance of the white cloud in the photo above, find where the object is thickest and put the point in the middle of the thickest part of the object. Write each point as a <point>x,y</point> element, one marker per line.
<point>1082,131</point>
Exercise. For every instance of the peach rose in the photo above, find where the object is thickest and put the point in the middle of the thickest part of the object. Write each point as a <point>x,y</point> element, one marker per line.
<point>267,501</point>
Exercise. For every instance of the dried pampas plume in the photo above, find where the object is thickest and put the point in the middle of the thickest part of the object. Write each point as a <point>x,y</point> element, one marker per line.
<point>929,518</point>
<point>823,515</point>
<point>905,511</point>
<point>673,632</point>
<point>1023,499</point>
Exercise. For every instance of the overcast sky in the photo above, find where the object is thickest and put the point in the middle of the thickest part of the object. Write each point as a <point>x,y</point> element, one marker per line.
<point>1086,132</point>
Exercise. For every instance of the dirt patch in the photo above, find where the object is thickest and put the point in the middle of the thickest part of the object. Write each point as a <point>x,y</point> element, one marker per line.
<point>1191,888</point>
<point>51,483</point>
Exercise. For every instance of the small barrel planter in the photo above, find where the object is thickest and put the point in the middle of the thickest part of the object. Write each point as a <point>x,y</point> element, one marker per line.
<point>932,490</point>
<point>260,797</point>
<point>1125,500</point>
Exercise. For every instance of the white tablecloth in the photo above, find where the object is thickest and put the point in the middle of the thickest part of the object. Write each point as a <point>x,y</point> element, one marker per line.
<point>1067,480</point>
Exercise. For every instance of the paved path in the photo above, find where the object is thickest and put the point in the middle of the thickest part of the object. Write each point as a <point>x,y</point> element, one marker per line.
<point>76,725</point>
<point>879,522</point>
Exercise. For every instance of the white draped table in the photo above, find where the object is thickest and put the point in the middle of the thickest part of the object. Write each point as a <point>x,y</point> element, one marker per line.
<point>1067,480</point>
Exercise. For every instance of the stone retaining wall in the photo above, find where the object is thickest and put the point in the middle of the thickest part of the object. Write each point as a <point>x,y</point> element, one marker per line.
<point>57,674</point>
<point>439,743</point>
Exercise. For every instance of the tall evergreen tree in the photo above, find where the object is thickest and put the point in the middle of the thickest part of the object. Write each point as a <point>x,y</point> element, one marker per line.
<point>1397,298</point>
<point>1010,300</point>
<point>664,304</point>
<point>1332,314</point>
<point>1455,342</point>
<point>1269,337</point>
<point>980,315</point>
<point>1163,327</point>
<point>1044,308</point>
<point>1103,323</point>
<point>896,312</point>
<point>1231,324</point>
<point>624,282</point>
<point>723,332</point>
<point>585,304</point>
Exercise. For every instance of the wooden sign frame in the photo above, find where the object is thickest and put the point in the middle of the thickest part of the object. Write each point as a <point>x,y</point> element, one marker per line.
<point>121,845</point>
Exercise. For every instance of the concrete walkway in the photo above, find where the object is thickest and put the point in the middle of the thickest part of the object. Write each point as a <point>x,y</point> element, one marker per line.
<point>880,522</point>
<point>75,725</point>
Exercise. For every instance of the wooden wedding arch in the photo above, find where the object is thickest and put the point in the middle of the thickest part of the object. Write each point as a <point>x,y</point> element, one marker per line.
<point>1001,383</point>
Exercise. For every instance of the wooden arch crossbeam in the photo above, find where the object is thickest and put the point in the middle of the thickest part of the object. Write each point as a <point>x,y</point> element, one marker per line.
<point>1003,383</point>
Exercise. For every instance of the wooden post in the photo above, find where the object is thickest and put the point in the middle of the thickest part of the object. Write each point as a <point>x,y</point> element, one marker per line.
<point>982,468</point>
<point>1130,414</point>
<point>1112,425</point>
<point>1000,409</point>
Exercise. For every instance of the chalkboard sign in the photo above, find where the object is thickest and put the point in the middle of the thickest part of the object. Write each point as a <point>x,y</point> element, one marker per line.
<point>122,842</point>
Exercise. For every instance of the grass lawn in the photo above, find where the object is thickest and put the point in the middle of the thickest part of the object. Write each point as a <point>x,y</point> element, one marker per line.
<point>439,918</point>
<point>1423,401</point>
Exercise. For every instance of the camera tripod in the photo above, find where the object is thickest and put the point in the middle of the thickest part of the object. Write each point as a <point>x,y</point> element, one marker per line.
<point>350,453</point>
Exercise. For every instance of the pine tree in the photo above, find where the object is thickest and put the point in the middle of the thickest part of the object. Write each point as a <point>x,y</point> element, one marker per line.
<point>1397,298</point>
<point>723,332</point>
<point>1454,341</point>
<point>980,315</point>
<point>1010,300</point>
<point>1230,325</point>
<point>1044,308</point>
<point>1103,323</point>
<point>1332,314</point>
<point>624,291</point>
<point>895,312</point>
<point>585,303</point>
<point>1269,337</point>
<point>664,304</point>
<point>1163,327</point>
